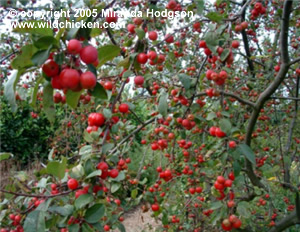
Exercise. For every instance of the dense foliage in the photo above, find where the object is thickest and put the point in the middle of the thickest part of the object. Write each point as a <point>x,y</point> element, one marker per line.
<point>195,118</point>
<point>24,136</point>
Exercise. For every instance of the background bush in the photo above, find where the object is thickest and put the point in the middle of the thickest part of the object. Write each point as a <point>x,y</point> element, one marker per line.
<point>25,137</point>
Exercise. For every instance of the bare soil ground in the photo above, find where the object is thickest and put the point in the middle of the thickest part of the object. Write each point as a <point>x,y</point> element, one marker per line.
<point>137,221</point>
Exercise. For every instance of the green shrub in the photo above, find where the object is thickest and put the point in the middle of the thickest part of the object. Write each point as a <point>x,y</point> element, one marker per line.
<point>23,136</point>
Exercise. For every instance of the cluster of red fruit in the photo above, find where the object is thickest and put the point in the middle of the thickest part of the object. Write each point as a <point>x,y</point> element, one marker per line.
<point>103,166</point>
<point>261,161</point>
<point>187,123</point>
<point>16,219</point>
<point>122,164</point>
<point>221,183</point>
<point>183,100</point>
<point>155,87</point>
<point>194,190</point>
<point>212,58</point>
<point>173,5</point>
<point>241,26</point>
<point>232,222</point>
<point>211,92</point>
<point>218,78</point>
<point>160,144</point>
<point>216,132</point>
<point>35,202</point>
<point>33,115</point>
<point>66,77</point>
<point>258,9</point>
<point>197,27</point>
<point>152,56</point>
<point>184,144</point>
<point>166,175</point>
<point>95,120</point>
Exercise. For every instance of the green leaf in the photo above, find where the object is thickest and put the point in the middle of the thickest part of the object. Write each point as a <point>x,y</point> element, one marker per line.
<point>65,210</point>
<point>107,147</point>
<point>214,16</point>
<point>41,56</point>
<point>85,32</point>
<point>77,172</point>
<point>42,183</point>
<point>5,155</point>
<point>88,167</point>
<point>124,63</point>
<point>200,6</point>
<point>10,88</point>
<point>35,91</point>
<point>95,32</point>
<point>121,227</point>
<point>99,92</point>
<point>163,104</point>
<point>225,54</point>
<point>221,28</point>
<point>87,228</point>
<point>107,53</point>
<point>88,138</point>
<point>92,68</point>
<point>211,116</point>
<point>72,33</point>
<point>217,215</point>
<point>213,48</point>
<point>165,219</point>
<point>83,200</point>
<point>216,205</point>
<point>72,98</point>
<point>73,228</point>
<point>94,173</point>
<point>35,222</point>
<point>247,151</point>
<point>236,168</point>
<point>24,59</point>
<point>85,150</point>
<point>185,80</point>
<point>35,28</point>
<point>95,213</point>
<point>107,113</point>
<point>48,103</point>
<point>59,58</point>
<point>134,193</point>
<point>126,74</point>
<point>140,33</point>
<point>243,209</point>
<point>45,41</point>
<point>225,125</point>
<point>57,169</point>
<point>115,187</point>
<point>211,38</point>
<point>120,177</point>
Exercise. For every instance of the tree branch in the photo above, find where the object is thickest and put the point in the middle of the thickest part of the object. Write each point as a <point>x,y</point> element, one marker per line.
<point>287,98</point>
<point>228,94</point>
<point>286,222</point>
<point>197,81</point>
<point>271,88</point>
<point>131,134</point>
<point>137,117</point>
<point>244,101</point>
<point>294,61</point>
<point>290,136</point>
<point>246,42</point>
<point>37,195</point>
